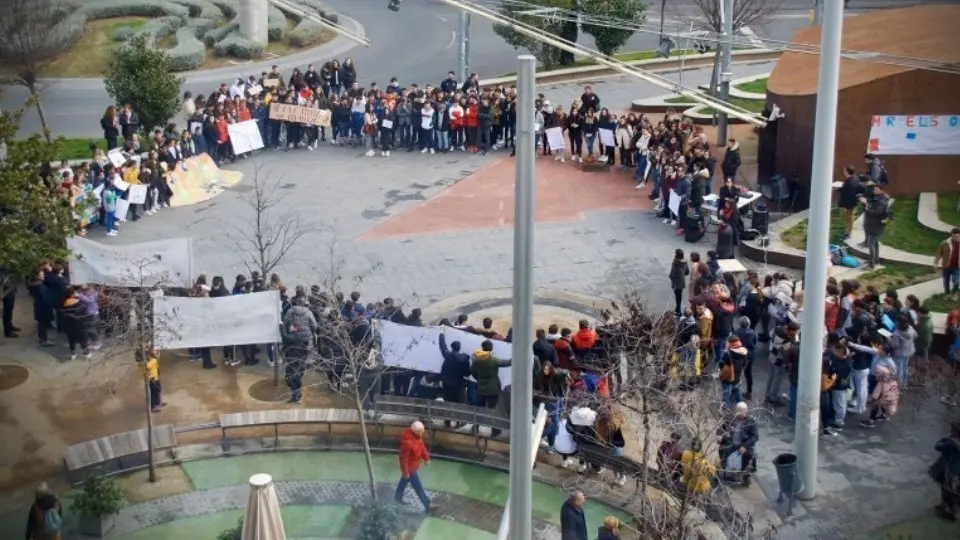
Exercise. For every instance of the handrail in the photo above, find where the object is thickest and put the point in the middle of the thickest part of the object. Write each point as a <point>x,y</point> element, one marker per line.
<point>300,12</point>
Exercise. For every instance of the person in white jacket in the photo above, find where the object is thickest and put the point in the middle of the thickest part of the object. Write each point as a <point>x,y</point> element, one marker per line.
<point>188,109</point>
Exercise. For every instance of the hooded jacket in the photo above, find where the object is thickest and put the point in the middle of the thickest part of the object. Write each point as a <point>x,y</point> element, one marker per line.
<point>412,453</point>
<point>37,516</point>
<point>875,213</point>
<point>303,319</point>
<point>736,357</point>
<point>485,368</point>
<point>731,161</point>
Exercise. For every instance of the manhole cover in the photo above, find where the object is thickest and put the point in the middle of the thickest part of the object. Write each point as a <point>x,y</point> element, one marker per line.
<point>12,376</point>
<point>265,391</point>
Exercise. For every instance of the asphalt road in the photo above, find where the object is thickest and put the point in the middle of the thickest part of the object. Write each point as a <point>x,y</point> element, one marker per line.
<point>416,44</point>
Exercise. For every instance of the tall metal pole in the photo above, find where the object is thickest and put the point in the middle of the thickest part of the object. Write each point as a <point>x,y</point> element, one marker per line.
<point>463,57</point>
<point>807,431</point>
<point>817,12</point>
<point>726,8</point>
<point>521,395</point>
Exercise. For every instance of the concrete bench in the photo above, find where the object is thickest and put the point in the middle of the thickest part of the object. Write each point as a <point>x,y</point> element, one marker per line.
<point>277,418</point>
<point>602,456</point>
<point>116,452</point>
<point>430,412</point>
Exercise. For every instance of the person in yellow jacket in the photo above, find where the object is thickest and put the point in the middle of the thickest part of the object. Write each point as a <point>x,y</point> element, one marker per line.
<point>130,175</point>
<point>698,472</point>
<point>151,371</point>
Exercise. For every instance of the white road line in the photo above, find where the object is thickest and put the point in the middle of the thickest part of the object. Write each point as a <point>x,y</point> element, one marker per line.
<point>453,38</point>
<point>441,18</point>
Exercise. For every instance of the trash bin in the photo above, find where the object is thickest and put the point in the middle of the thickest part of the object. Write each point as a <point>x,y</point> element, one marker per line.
<point>761,219</point>
<point>788,477</point>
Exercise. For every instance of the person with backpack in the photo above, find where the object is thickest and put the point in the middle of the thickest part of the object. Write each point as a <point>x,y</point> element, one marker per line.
<point>876,170</point>
<point>45,519</point>
<point>876,215</point>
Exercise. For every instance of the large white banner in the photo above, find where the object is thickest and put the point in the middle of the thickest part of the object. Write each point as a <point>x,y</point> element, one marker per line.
<point>414,347</point>
<point>245,137</point>
<point>241,319</point>
<point>933,135</point>
<point>164,262</point>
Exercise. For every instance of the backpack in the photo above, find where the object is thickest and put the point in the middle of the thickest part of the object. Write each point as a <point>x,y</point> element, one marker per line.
<point>52,522</point>
<point>883,180</point>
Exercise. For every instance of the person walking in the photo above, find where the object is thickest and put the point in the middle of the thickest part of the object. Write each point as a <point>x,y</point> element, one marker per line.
<point>876,215</point>
<point>412,453</point>
<point>296,349</point>
<point>45,518</point>
<point>679,271</point>
<point>947,261</point>
<point>573,521</point>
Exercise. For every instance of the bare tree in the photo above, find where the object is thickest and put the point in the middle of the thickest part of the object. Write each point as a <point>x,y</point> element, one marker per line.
<point>28,45</point>
<point>265,236</point>
<point>746,13</point>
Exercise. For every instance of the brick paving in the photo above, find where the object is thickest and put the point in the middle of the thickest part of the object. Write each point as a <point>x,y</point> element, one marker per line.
<point>477,514</point>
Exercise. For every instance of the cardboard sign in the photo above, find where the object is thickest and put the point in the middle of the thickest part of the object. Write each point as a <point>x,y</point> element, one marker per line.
<point>302,115</point>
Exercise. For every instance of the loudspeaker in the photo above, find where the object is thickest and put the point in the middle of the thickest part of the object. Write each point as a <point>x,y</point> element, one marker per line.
<point>761,219</point>
<point>694,228</point>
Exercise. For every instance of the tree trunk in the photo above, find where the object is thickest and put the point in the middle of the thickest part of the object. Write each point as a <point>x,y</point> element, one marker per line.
<point>151,464</point>
<point>276,364</point>
<point>43,117</point>
<point>367,456</point>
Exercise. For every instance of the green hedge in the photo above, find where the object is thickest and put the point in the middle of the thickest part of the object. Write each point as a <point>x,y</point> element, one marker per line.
<point>123,33</point>
<point>201,9</point>
<point>159,28</point>
<point>238,46</point>
<point>215,35</point>
<point>190,52</point>
<point>276,24</point>
<point>307,32</point>
<point>68,31</point>
<point>320,8</point>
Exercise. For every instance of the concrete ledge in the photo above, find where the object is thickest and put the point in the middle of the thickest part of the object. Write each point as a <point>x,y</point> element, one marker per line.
<point>734,92</point>
<point>928,213</point>
<point>776,252</point>
<point>887,253</point>
<point>594,71</point>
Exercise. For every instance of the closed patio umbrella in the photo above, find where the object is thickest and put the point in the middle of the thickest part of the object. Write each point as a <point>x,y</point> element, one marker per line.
<point>262,520</point>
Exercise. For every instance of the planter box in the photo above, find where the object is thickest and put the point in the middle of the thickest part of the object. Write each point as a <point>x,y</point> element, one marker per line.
<point>97,527</point>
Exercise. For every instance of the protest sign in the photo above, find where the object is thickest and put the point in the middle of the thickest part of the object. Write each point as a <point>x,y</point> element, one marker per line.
<point>606,137</point>
<point>933,135</point>
<point>302,115</point>
<point>674,203</point>
<point>123,206</point>
<point>245,137</point>
<point>116,157</point>
<point>166,262</point>
<point>414,347</point>
<point>138,194</point>
<point>242,319</point>
<point>555,138</point>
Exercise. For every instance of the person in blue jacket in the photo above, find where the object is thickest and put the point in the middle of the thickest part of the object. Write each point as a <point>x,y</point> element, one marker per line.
<point>573,521</point>
<point>453,372</point>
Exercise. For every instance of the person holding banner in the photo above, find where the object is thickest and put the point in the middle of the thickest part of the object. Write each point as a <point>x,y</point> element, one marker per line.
<point>454,370</point>
<point>485,368</point>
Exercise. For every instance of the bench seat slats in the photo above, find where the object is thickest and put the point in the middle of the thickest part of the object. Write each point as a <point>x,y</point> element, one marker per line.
<point>116,446</point>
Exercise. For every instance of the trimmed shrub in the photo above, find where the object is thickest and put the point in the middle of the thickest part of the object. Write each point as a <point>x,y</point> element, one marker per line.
<point>68,31</point>
<point>305,34</point>
<point>228,7</point>
<point>201,26</point>
<point>190,52</point>
<point>162,27</point>
<point>276,23</point>
<point>320,8</point>
<point>215,35</point>
<point>238,46</point>
<point>201,8</point>
<point>122,33</point>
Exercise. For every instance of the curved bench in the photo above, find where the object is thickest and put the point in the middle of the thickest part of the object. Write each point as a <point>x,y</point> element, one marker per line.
<point>117,452</point>
<point>280,417</point>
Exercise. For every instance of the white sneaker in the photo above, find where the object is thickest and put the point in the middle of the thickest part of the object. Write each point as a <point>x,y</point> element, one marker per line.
<point>673,223</point>
<point>665,221</point>
<point>112,233</point>
<point>544,443</point>
<point>567,463</point>
<point>333,142</point>
<point>432,151</point>
<point>622,480</point>
<point>582,468</point>
<point>383,154</point>
<point>270,362</point>
<point>73,357</point>
<point>370,153</point>
<point>639,186</point>
<point>388,153</point>
<point>563,159</point>
<point>463,148</point>
<point>424,151</point>
<point>88,356</point>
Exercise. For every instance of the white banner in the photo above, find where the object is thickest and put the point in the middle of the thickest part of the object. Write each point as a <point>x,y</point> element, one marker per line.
<point>245,137</point>
<point>164,262</point>
<point>674,203</point>
<point>241,319</point>
<point>936,135</point>
<point>606,137</point>
<point>414,347</point>
<point>555,138</point>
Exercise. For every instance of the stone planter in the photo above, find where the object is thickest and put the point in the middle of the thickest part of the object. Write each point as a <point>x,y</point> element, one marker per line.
<point>97,527</point>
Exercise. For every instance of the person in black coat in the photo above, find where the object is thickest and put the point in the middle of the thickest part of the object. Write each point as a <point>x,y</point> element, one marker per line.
<point>42,308</point>
<point>455,368</point>
<point>573,521</point>
<point>731,160</point>
<point>296,352</point>
<point>849,196</point>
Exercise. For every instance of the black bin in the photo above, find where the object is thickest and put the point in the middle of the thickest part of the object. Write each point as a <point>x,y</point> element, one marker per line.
<point>788,476</point>
<point>761,219</point>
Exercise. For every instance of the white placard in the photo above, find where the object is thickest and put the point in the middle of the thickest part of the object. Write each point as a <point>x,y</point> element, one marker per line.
<point>98,191</point>
<point>120,184</point>
<point>414,347</point>
<point>255,90</point>
<point>934,135</point>
<point>555,138</point>
<point>241,319</point>
<point>194,126</point>
<point>164,262</point>
<point>123,206</point>
<point>138,194</point>
<point>245,136</point>
<point>674,203</point>
<point>606,137</point>
<point>116,157</point>
<point>222,98</point>
<point>387,124</point>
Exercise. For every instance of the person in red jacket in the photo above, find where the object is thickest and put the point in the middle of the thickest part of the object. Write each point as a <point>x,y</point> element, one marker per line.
<point>566,357</point>
<point>584,340</point>
<point>412,453</point>
<point>224,150</point>
<point>471,122</point>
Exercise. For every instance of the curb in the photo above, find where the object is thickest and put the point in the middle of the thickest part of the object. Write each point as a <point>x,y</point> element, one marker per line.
<point>586,72</point>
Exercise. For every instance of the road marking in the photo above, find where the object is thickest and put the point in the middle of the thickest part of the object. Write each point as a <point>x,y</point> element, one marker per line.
<point>453,38</point>
<point>441,18</point>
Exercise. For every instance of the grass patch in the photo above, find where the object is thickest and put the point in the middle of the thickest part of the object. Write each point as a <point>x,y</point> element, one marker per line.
<point>905,233</point>
<point>79,148</point>
<point>758,86</point>
<point>947,208</point>
<point>752,105</point>
<point>633,56</point>
<point>90,56</point>
<point>796,236</point>
<point>942,303</point>
<point>897,275</point>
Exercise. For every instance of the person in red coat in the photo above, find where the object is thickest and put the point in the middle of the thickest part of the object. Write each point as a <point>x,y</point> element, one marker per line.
<point>412,453</point>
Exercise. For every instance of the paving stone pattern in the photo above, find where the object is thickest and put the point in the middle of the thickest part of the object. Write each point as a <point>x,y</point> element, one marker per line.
<point>478,514</point>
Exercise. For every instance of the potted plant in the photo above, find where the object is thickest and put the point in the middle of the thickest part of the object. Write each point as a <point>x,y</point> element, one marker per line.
<point>98,504</point>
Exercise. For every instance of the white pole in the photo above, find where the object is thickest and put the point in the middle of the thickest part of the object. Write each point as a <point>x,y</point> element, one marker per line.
<point>807,431</point>
<point>503,533</point>
<point>726,7</point>
<point>521,395</point>
<point>463,64</point>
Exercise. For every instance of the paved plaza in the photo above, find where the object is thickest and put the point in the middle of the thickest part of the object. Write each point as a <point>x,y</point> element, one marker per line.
<point>434,232</point>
